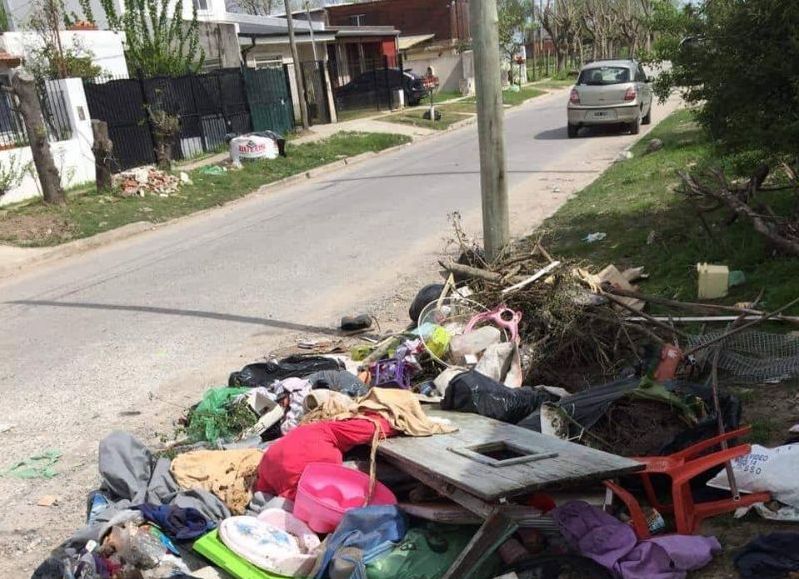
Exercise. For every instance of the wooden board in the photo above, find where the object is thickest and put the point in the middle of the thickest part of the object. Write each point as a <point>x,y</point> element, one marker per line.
<point>573,463</point>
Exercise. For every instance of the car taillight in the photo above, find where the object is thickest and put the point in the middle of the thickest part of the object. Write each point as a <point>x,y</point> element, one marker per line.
<point>630,94</point>
<point>574,97</point>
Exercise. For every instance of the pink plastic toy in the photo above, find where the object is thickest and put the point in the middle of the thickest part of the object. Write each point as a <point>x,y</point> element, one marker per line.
<point>502,316</point>
<point>326,491</point>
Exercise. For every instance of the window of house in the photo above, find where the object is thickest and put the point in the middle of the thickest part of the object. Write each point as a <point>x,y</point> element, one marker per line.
<point>201,5</point>
<point>268,60</point>
<point>210,64</point>
<point>358,20</point>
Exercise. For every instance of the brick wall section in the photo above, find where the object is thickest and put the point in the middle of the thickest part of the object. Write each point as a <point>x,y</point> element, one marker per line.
<point>447,19</point>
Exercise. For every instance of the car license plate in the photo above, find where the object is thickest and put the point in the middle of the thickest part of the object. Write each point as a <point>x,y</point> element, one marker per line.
<point>603,115</point>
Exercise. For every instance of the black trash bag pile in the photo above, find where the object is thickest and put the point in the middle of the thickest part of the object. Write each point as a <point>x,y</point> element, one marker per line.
<point>473,392</point>
<point>264,373</point>
<point>587,408</point>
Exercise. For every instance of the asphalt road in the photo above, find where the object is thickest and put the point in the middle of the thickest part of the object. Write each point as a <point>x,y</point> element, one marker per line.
<point>92,339</point>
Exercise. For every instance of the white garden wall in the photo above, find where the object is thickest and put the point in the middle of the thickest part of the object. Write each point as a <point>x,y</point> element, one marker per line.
<point>73,157</point>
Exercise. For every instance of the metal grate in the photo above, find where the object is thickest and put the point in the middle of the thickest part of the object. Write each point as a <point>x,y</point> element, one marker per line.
<point>751,357</point>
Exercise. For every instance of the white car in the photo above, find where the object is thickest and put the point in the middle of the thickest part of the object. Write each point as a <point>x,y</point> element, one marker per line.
<point>610,92</point>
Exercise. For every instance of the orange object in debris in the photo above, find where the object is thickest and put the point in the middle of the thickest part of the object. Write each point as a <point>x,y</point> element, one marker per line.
<point>670,358</point>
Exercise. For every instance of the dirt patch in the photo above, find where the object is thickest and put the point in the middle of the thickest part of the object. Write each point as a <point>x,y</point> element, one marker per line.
<point>638,427</point>
<point>35,228</point>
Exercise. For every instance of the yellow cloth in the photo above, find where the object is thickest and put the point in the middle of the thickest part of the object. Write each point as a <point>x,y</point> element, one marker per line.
<point>229,474</point>
<point>399,407</point>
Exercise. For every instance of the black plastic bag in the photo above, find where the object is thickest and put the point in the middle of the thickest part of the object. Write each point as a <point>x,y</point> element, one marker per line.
<point>339,381</point>
<point>476,393</point>
<point>264,373</point>
<point>426,295</point>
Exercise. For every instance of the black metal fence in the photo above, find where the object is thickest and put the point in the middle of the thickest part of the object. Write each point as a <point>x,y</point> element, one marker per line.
<point>210,107</point>
<point>269,97</point>
<point>313,74</point>
<point>54,113</point>
<point>362,85</point>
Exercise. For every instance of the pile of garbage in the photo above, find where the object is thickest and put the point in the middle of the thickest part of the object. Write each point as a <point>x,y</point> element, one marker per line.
<point>277,473</point>
<point>146,180</point>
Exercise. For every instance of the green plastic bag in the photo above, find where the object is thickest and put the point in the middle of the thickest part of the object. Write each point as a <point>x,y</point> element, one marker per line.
<point>37,466</point>
<point>210,420</point>
<point>427,552</point>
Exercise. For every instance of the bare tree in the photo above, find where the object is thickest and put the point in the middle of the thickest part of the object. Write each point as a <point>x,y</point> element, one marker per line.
<point>24,88</point>
<point>560,18</point>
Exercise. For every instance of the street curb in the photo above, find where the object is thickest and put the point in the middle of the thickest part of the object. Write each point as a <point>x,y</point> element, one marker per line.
<point>78,246</point>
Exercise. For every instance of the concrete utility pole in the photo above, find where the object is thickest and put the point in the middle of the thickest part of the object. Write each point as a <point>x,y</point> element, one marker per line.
<point>493,174</point>
<point>313,40</point>
<point>295,56</point>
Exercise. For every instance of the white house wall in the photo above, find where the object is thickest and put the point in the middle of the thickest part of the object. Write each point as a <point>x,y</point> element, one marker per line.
<point>447,66</point>
<point>103,46</point>
<point>20,11</point>
<point>73,157</point>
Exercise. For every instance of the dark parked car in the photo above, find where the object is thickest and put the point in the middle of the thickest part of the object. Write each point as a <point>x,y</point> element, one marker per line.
<point>365,86</point>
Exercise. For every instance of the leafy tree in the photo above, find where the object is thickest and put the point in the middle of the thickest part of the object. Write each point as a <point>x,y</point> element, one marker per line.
<point>739,63</point>
<point>159,43</point>
<point>514,20</point>
<point>50,58</point>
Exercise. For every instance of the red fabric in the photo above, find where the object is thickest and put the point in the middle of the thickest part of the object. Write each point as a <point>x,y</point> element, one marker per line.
<point>283,462</point>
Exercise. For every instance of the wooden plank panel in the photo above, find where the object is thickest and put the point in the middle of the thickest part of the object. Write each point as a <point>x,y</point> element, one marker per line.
<point>573,464</point>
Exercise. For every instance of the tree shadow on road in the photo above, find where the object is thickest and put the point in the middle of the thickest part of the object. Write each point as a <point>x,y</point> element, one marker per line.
<point>278,324</point>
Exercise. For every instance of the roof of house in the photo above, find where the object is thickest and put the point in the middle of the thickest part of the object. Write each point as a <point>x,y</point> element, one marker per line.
<point>405,42</point>
<point>326,35</point>
<point>9,60</point>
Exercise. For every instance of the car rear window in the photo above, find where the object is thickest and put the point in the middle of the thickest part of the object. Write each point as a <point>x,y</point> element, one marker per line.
<point>603,75</point>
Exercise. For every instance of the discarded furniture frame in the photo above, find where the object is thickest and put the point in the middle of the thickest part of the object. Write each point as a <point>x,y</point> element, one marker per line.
<point>486,462</point>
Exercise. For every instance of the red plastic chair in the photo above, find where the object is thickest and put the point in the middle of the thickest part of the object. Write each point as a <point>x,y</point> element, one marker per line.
<point>681,467</point>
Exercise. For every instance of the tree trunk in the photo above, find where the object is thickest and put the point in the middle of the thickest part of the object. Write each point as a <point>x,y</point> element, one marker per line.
<point>22,84</point>
<point>102,150</point>
<point>163,152</point>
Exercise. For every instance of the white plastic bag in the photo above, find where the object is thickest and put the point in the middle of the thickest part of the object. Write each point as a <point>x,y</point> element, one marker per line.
<point>766,469</point>
<point>253,147</point>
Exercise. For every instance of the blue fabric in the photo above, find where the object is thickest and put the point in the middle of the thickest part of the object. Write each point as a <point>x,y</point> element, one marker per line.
<point>177,523</point>
<point>374,530</point>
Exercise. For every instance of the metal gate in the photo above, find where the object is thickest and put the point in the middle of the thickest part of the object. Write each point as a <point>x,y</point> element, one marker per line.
<point>120,103</point>
<point>269,98</point>
<point>313,73</point>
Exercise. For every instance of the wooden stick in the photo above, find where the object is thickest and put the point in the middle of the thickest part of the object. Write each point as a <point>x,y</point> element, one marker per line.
<point>646,316</point>
<point>467,270</point>
<point>537,275</point>
<point>661,301</point>
<point>695,319</point>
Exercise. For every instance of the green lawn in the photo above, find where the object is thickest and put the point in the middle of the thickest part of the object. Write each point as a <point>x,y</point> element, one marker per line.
<point>36,224</point>
<point>649,223</point>
<point>469,108</point>
<point>443,95</point>
<point>513,98</point>
<point>414,117</point>
<point>550,83</point>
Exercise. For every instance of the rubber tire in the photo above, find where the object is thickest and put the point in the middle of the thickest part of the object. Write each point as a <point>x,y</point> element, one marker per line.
<point>572,131</point>
<point>648,118</point>
<point>635,126</point>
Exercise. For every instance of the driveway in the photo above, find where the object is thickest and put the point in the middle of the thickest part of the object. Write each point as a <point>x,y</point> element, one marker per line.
<point>125,336</point>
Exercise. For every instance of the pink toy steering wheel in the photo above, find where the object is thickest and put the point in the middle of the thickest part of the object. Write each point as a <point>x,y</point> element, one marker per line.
<point>502,316</point>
